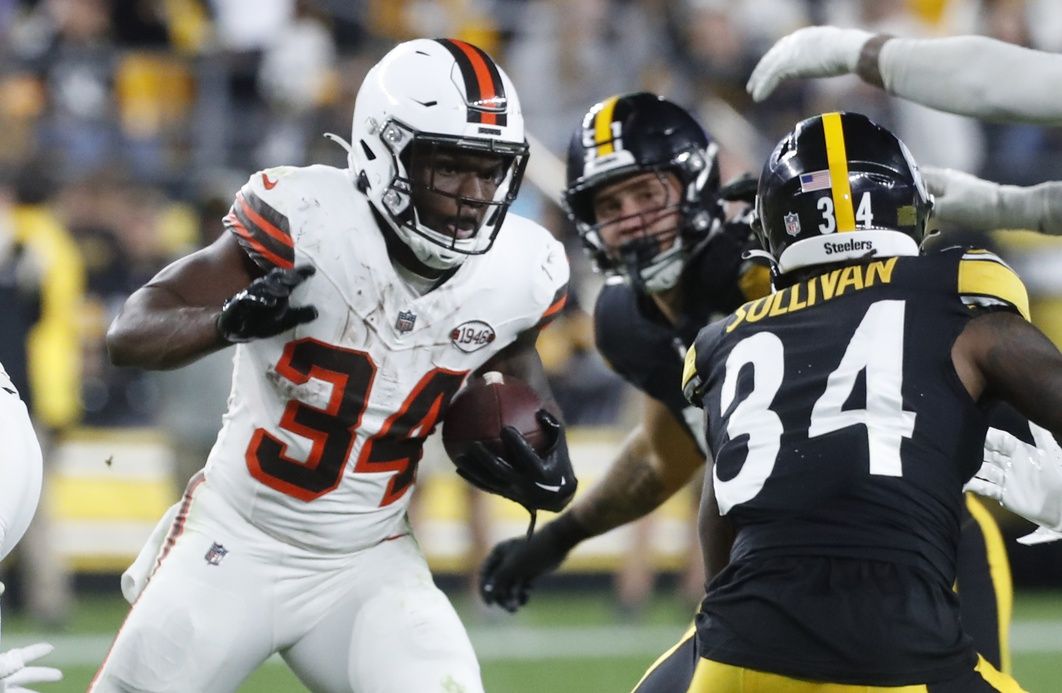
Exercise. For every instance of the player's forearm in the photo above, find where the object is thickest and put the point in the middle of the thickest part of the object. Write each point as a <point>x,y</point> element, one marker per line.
<point>633,488</point>
<point>971,75</point>
<point>968,201</point>
<point>158,331</point>
<point>1023,368</point>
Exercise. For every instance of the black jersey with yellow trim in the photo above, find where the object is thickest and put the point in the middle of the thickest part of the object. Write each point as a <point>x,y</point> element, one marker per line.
<point>842,434</point>
<point>643,347</point>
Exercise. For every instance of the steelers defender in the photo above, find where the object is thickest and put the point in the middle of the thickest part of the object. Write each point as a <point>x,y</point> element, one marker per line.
<point>845,412</point>
<point>643,192</point>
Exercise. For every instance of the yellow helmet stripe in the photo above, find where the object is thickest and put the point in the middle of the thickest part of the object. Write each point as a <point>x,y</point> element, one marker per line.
<point>837,159</point>
<point>603,126</point>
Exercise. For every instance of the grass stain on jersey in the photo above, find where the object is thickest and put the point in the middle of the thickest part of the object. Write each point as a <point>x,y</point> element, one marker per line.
<point>816,290</point>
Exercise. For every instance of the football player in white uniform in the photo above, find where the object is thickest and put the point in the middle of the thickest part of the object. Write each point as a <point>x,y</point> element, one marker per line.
<point>361,300</point>
<point>20,490</point>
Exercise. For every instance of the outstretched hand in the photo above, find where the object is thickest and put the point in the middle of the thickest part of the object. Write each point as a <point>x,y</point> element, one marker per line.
<point>1025,479</point>
<point>512,566</point>
<point>816,51</point>
<point>15,675</point>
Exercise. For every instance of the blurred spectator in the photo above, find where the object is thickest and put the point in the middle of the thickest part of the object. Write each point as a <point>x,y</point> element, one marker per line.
<point>568,55</point>
<point>296,77</point>
<point>115,226</point>
<point>42,286</point>
<point>194,398</point>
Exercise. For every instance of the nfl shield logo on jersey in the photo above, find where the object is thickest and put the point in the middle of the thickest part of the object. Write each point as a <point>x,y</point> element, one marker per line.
<point>406,319</point>
<point>792,223</point>
<point>215,553</point>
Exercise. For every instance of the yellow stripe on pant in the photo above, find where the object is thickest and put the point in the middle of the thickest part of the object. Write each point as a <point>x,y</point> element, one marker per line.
<point>716,677</point>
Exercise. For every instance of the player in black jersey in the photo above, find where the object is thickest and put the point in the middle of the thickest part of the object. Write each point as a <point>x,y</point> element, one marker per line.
<point>845,412</point>
<point>643,191</point>
<point>656,299</point>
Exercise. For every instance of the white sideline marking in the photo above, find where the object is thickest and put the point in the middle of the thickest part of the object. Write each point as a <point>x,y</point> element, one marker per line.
<point>531,642</point>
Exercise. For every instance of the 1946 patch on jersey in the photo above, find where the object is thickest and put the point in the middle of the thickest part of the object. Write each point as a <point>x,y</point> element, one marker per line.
<point>472,335</point>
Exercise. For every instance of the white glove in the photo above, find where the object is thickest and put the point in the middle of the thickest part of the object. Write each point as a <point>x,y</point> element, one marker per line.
<point>1025,479</point>
<point>1042,535</point>
<point>963,199</point>
<point>14,673</point>
<point>815,51</point>
<point>966,200</point>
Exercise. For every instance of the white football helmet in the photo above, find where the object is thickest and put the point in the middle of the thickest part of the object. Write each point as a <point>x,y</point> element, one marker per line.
<point>439,92</point>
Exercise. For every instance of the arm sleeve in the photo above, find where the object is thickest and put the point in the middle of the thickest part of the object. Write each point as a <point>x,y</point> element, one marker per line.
<point>975,76</point>
<point>968,201</point>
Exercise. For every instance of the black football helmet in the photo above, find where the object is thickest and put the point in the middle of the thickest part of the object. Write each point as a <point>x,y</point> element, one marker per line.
<point>637,133</point>
<point>840,187</point>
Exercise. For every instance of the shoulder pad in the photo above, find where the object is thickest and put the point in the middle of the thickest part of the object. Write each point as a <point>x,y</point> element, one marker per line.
<point>258,221</point>
<point>530,244</point>
<point>754,281</point>
<point>985,280</point>
<point>691,379</point>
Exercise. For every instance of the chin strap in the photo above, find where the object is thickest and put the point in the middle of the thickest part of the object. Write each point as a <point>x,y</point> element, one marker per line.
<point>763,257</point>
<point>531,525</point>
<point>339,140</point>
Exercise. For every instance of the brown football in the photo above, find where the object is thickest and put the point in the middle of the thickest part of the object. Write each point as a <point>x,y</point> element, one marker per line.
<point>478,413</point>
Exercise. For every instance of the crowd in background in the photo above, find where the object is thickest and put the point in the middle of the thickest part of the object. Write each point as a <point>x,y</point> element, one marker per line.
<point>126,126</point>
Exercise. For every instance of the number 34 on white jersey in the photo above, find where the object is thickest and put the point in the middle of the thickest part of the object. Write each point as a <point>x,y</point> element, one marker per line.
<point>326,423</point>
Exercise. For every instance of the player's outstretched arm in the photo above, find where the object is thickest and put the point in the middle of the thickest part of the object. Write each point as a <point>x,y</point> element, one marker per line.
<point>656,460</point>
<point>1003,356</point>
<point>973,203</point>
<point>969,75</point>
<point>172,320</point>
<point>204,302</point>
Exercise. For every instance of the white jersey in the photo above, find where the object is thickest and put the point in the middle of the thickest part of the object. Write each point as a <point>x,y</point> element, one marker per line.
<point>326,423</point>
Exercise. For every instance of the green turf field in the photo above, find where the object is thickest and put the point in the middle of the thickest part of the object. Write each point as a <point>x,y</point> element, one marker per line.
<point>564,642</point>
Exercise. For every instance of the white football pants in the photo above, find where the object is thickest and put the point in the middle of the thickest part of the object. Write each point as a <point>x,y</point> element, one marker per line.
<point>223,597</point>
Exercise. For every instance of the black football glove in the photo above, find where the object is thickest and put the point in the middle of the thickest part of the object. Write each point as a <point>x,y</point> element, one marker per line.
<point>508,573</point>
<point>262,309</point>
<point>741,189</point>
<point>536,482</point>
